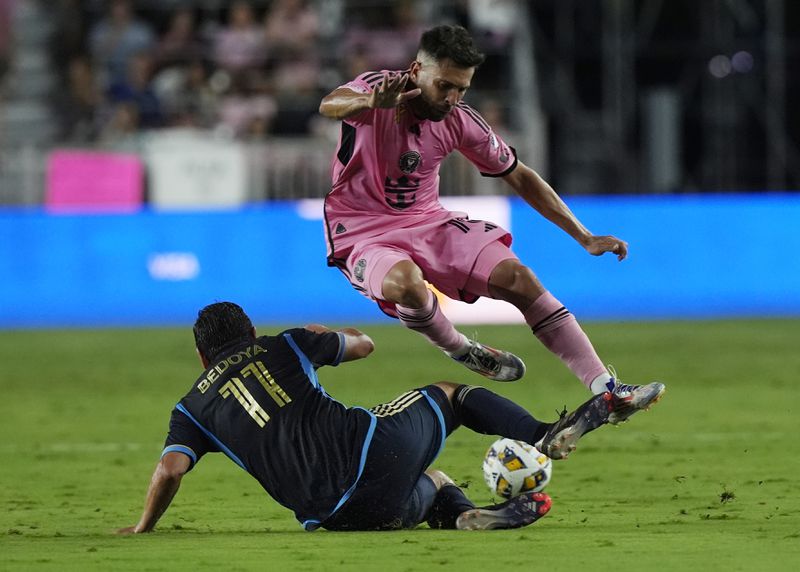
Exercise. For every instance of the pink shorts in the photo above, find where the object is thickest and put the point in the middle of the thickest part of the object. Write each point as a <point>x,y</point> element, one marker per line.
<point>456,255</point>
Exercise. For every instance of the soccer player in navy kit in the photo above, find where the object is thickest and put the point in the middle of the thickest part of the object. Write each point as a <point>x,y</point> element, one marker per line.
<point>259,402</point>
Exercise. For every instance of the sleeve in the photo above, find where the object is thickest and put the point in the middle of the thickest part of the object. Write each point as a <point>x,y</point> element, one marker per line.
<point>320,349</point>
<point>365,83</point>
<point>187,438</point>
<point>483,147</point>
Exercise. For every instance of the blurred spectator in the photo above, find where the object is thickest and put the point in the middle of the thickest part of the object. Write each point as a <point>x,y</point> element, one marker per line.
<point>181,43</point>
<point>191,101</point>
<point>6,6</point>
<point>137,90</point>
<point>116,38</point>
<point>240,45</point>
<point>495,114</point>
<point>493,22</point>
<point>79,104</point>
<point>244,113</point>
<point>387,44</point>
<point>292,30</point>
<point>122,129</point>
<point>70,40</point>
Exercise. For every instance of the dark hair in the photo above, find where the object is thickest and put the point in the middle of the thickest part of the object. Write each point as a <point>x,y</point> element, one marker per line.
<point>218,325</point>
<point>453,42</point>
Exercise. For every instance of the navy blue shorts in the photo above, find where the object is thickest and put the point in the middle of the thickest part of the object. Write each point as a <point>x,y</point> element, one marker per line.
<point>393,491</point>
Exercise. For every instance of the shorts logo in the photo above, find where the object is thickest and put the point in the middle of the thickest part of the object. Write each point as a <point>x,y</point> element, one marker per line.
<point>358,271</point>
<point>409,161</point>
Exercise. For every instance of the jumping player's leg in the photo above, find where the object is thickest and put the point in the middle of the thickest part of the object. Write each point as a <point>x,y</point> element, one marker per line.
<point>418,309</point>
<point>554,325</point>
<point>551,323</point>
<point>392,276</point>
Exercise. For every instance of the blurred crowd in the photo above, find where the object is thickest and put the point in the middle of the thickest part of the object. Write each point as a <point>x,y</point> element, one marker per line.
<point>246,69</point>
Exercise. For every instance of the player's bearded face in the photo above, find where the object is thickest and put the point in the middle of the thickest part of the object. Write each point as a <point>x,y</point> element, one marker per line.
<point>442,84</point>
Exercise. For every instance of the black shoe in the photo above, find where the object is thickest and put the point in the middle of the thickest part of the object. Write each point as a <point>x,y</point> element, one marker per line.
<point>559,441</point>
<point>520,511</point>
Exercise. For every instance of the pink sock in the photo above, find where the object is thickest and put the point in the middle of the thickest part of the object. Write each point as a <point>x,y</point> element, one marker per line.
<point>560,333</point>
<point>433,324</point>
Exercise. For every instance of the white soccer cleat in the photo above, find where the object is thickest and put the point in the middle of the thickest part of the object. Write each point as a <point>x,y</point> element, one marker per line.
<point>494,364</point>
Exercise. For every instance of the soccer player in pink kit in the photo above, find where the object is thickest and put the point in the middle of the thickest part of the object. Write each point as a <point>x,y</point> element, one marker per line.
<point>388,233</point>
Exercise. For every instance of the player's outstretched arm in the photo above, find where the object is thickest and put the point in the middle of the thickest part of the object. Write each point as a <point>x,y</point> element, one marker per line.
<point>540,195</point>
<point>342,102</point>
<point>163,486</point>
<point>357,344</point>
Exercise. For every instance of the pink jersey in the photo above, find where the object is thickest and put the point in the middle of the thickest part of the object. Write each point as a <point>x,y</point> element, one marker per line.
<point>386,168</point>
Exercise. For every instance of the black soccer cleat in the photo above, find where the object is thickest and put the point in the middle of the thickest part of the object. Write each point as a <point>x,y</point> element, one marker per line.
<point>559,440</point>
<point>520,511</point>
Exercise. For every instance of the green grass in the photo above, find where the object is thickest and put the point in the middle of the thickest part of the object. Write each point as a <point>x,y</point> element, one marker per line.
<point>707,480</point>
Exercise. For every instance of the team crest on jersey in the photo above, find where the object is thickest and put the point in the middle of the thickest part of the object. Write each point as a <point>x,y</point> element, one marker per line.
<point>409,161</point>
<point>358,271</point>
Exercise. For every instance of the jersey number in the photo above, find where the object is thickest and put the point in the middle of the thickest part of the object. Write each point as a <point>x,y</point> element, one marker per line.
<point>236,388</point>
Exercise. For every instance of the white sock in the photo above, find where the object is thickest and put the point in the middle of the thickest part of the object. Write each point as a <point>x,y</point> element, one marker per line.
<point>462,351</point>
<point>602,383</point>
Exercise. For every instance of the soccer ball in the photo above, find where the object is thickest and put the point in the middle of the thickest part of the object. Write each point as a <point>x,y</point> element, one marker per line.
<point>512,467</point>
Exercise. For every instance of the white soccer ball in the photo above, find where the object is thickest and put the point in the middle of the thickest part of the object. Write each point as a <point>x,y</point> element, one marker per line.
<point>513,467</point>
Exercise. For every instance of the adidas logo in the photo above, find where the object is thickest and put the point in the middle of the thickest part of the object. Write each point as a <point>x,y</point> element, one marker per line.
<point>340,229</point>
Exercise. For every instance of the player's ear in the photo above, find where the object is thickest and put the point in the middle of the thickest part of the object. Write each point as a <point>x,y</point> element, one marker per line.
<point>253,332</point>
<point>413,70</point>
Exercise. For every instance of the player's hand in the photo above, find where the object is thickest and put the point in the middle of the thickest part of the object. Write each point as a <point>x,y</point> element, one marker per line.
<point>389,93</point>
<point>127,530</point>
<point>597,245</point>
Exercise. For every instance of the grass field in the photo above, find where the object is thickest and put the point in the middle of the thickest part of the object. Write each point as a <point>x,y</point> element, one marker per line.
<point>706,480</point>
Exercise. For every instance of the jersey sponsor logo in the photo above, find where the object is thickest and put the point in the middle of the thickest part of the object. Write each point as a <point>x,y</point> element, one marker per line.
<point>400,193</point>
<point>409,161</point>
<point>358,271</point>
<point>340,229</point>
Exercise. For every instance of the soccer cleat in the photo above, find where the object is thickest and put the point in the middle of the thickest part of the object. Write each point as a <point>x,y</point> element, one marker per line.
<point>559,440</point>
<point>628,399</point>
<point>520,511</point>
<point>494,364</point>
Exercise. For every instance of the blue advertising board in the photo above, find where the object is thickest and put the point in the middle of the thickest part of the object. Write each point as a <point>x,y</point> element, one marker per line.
<point>690,257</point>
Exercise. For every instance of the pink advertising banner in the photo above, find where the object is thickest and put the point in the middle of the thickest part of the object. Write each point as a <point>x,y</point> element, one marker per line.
<point>94,182</point>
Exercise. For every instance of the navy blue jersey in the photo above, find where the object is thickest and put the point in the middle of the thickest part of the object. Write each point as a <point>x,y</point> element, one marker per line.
<point>261,404</point>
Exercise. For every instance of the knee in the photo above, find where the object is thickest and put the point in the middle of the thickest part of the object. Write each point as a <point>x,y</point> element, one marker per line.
<point>514,282</point>
<point>449,388</point>
<point>405,285</point>
<point>439,478</point>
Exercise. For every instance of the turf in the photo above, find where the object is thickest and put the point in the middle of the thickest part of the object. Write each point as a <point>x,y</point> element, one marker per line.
<point>707,479</point>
